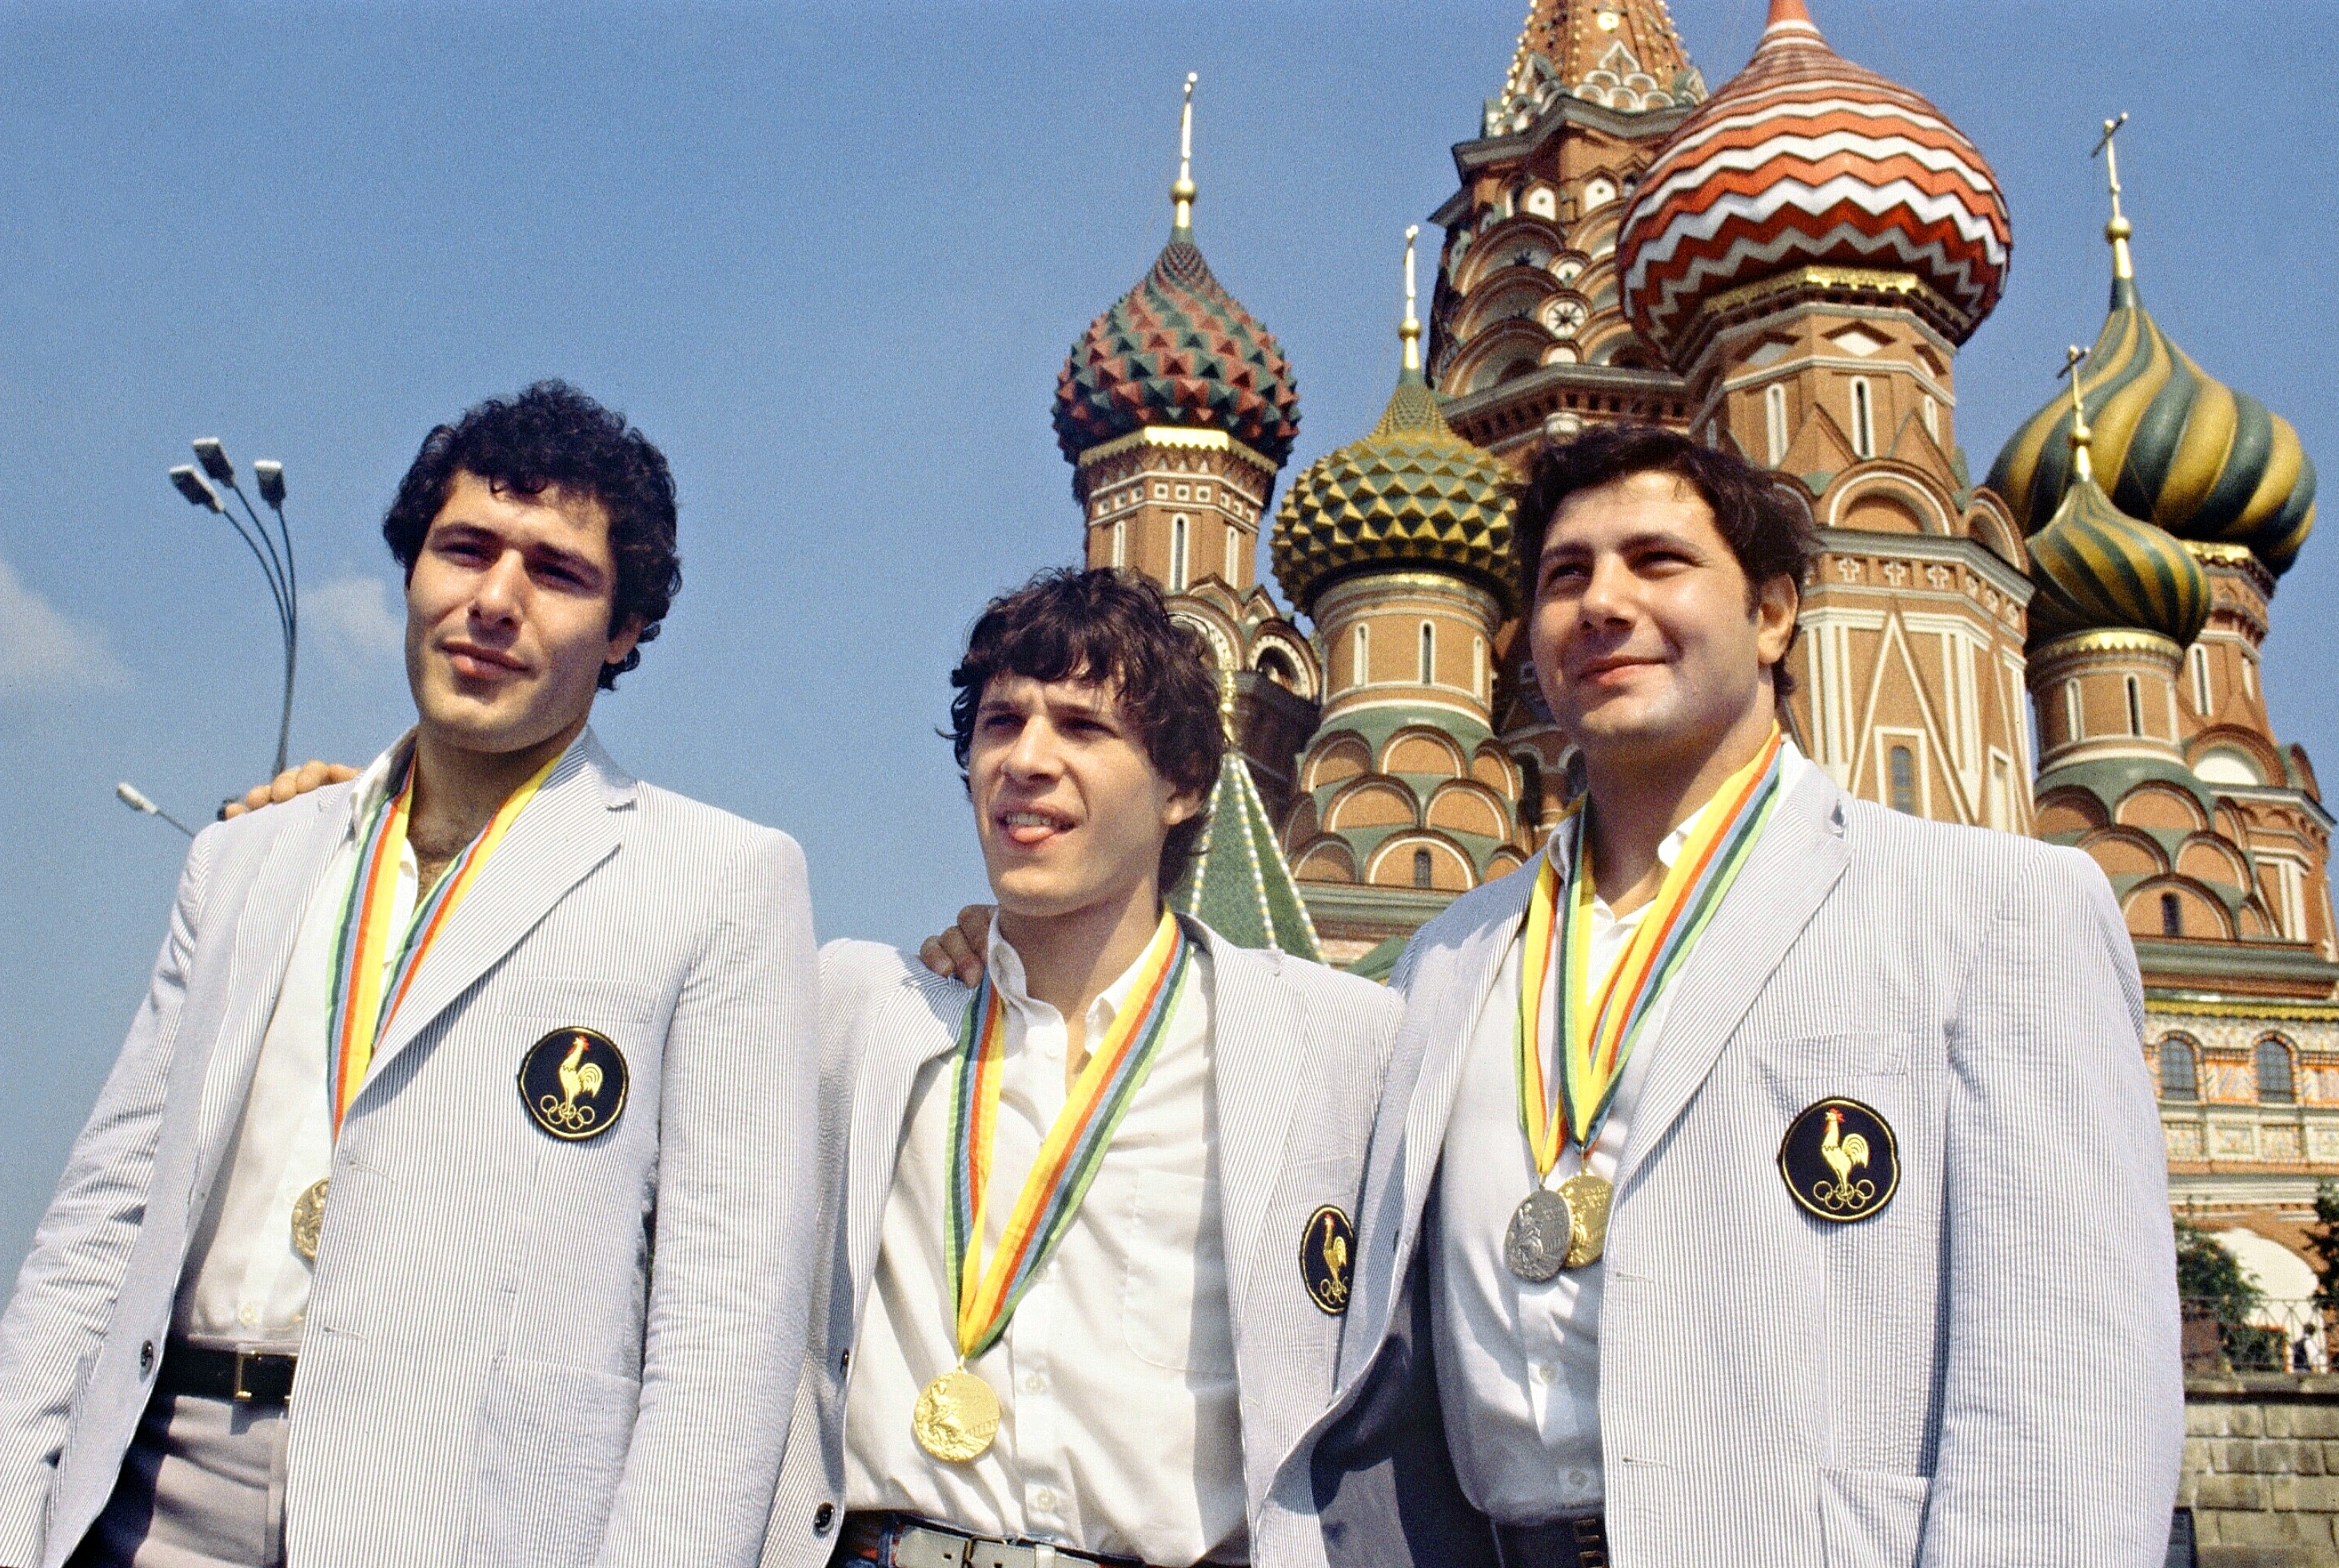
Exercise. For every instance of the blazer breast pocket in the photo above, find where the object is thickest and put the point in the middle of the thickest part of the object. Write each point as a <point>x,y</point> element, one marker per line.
<point>1177,1261</point>
<point>1795,1070</point>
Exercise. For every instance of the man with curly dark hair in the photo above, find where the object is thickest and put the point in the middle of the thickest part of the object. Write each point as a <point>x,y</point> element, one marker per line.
<point>427,1061</point>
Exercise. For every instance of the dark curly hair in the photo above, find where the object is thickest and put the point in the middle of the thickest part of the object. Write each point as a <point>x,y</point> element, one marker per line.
<point>1112,628</point>
<point>1767,527</point>
<point>553,436</point>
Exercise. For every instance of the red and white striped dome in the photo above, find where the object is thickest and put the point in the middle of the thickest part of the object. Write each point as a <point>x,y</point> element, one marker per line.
<point>1806,159</point>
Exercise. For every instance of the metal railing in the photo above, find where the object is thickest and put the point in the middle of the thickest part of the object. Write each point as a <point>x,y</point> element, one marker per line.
<point>2273,1334</point>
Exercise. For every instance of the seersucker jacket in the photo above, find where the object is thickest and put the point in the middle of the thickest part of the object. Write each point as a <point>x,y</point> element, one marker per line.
<point>1986,1370</point>
<point>1300,1050</point>
<point>519,1350</point>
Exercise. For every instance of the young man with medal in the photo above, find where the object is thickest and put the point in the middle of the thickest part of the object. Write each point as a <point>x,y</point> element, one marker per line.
<point>1089,1219</point>
<point>451,1199</point>
<point>1758,1167</point>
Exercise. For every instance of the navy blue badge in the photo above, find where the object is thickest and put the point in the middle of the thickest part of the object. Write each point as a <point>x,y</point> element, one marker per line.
<point>1327,1259</point>
<point>1840,1161</point>
<point>573,1082</point>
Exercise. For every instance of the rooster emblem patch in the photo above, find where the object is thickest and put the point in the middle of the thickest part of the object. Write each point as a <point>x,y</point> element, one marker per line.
<point>573,1082</point>
<point>1840,1161</point>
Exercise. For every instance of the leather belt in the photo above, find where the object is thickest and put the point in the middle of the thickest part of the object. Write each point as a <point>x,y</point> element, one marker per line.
<point>903,1540</point>
<point>244,1376</point>
<point>1578,1542</point>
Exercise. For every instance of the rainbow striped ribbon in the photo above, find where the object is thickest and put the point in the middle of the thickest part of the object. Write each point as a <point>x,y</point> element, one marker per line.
<point>1072,1152</point>
<point>368,985</point>
<point>1596,1032</point>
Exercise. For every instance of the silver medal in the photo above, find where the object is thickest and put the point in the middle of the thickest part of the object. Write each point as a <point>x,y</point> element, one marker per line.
<point>1541,1231</point>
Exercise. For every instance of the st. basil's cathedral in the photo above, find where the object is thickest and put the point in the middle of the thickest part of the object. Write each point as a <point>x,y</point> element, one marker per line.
<point>1785,267</point>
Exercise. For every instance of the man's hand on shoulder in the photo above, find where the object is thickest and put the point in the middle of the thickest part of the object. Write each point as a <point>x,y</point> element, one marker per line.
<point>308,777</point>
<point>958,952</point>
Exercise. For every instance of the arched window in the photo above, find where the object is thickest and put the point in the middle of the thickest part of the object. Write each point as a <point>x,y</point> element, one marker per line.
<point>2134,707</point>
<point>2274,1085</point>
<point>1478,668</point>
<point>1902,764</point>
<point>1234,557</point>
<point>1178,554</point>
<point>1120,545</point>
<point>2180,1069</point>
<point>1428,654</point>
<point>1933,418</point>
<point>1774,423</point>
<point>1530,790</point>
<point>1360,663</point>
<point>1277,667</point>
<point>1863,419</point>
<point>1422,870</point>
<point>2199,658</point>
<point>2172,915</point>
<point>2074,718</point>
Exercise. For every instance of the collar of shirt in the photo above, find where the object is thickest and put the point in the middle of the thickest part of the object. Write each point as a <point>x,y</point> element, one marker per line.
<point>375,782</point>
<point>1009,979</point>
<point>1560,845</point>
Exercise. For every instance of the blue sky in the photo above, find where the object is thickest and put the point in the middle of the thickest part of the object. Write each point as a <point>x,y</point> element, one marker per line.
<point>831,260</point>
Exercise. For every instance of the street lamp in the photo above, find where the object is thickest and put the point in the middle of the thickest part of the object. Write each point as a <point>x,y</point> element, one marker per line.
<point>272,551</point>
<point>130,796</point>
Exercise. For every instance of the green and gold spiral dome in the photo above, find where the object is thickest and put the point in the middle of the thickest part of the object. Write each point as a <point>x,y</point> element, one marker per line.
<point>1411,493</point>
<point>2184,450</point>
<point>2099,570</point>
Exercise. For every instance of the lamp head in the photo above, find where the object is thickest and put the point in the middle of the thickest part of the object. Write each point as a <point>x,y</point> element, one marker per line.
<point>128,795</point>
<point>270,473</point>
<point>213,457</point>
<point>192,485</point>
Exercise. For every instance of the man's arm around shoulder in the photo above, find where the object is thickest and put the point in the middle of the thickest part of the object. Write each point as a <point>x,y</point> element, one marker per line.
<point>736,1219</point>
<point>2062,1415</point>
<point>66,1290</point>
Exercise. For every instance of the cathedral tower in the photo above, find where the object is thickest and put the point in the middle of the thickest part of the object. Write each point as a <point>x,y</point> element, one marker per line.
<point>1808,250</point>
<point>1399,547</point>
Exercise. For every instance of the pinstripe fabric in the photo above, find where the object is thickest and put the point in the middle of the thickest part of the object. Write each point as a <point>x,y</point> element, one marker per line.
<point>1301,1052</point>
<point>1986,1371</point>
<point>492,1372</point>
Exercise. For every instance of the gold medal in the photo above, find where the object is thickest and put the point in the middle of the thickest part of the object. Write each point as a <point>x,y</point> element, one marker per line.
<point>309,1220</point>
<point>957,1416</point>
<point>1587,1199</point>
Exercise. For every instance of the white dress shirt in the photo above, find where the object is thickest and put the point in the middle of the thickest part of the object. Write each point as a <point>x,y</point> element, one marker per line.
<point>1119,1430</point>
<point>243,1284</point>
<point>1518,1363</point>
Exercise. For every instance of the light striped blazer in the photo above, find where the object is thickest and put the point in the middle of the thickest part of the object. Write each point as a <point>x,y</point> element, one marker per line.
<point>1299,1053</point>
<point>519,1350</point>
<point>1985,1371</point>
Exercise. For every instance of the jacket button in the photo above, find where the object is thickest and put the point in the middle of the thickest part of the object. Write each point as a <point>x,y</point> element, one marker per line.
<point>821,1518</point>
<point>146,1358</point>
<point>844,1361</point>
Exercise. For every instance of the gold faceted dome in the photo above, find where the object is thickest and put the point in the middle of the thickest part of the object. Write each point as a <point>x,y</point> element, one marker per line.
<point>1411,493</point>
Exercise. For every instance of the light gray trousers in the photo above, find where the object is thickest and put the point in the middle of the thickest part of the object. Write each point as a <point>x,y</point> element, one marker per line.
<point>202,1487</point>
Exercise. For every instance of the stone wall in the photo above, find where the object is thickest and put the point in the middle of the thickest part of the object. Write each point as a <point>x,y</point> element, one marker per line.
<point>2262,1469</point>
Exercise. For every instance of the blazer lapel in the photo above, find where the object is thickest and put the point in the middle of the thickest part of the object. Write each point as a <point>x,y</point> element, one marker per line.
<point>569,828</point>
<point>1254,1092</point>
<point>910,1029</point>
<point>261,951</point>
<point>1800,859</point>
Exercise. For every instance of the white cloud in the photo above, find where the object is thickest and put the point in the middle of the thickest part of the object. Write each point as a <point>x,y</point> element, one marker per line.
<point>362,616</point>
<point>42,651</point>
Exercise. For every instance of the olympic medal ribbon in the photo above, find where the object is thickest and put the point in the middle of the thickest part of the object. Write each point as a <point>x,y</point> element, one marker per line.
<point>1072,1152</point>
<point>369,980</point>
<point>1597,1027</point>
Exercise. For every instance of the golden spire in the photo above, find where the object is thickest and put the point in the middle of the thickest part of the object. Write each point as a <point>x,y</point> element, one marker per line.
<point>2118,230</point>
<point>1182,192</point>
<point>1409,329</point>
<point>2082,467</point>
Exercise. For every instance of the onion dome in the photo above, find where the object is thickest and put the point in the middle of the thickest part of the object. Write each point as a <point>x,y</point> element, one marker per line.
<point>1411,493</point>
<point>1804,159</point>
<point>2099,570</point>
<point>1178,349</point>
<point>2192,454</point>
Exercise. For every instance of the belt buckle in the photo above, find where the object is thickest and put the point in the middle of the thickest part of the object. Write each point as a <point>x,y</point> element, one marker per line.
<point>244,1393</point>
<point>241,1393</point>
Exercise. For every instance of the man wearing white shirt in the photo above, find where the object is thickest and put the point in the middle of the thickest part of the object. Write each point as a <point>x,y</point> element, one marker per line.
<point>1126,1396</point>
<point>472,1099</point>
<point>1871,1153</point>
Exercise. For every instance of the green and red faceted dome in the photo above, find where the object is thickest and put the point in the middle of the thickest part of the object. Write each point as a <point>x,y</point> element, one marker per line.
<point>1178,349</point>
<point>1805,159</point>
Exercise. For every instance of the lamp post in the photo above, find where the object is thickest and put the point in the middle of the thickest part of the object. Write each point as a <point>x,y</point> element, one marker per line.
<point>129,796</point>
<point>272,551</point>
